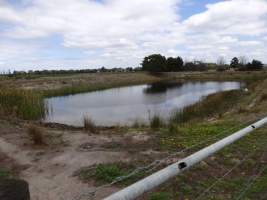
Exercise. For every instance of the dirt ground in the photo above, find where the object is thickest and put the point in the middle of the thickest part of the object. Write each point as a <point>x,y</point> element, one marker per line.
<point>50,169</point>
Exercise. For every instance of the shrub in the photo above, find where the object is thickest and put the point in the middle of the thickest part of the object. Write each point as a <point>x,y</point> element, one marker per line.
<point>36,134</point>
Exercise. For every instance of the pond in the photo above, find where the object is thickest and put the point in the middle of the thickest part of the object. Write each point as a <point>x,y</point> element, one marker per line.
<point>126,105</point>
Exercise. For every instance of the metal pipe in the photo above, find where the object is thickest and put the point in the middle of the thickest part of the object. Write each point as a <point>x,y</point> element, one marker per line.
<point>137,189</point>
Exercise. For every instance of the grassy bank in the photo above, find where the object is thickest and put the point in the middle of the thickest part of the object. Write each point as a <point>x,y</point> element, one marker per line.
<point>24,98</point>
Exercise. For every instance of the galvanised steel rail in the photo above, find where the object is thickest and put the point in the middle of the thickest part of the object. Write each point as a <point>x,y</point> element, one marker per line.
<point>156,179</point>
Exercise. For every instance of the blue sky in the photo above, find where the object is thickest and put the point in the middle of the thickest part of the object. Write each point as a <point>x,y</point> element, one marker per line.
<point>71,34</point>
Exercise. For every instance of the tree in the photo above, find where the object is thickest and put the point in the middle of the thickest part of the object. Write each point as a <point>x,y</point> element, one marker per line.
<point>234,63</point>
<point>255,65</point>
<point>154,63</point>
<point>174,64</point>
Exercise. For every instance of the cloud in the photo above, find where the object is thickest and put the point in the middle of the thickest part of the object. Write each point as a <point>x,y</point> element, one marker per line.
<point>120,33</point>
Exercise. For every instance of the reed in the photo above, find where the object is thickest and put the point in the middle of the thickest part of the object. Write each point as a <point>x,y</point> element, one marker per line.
<point>156,122</point>
<point>23,104</point>
<point>89,124</point>
<point>212,105</point>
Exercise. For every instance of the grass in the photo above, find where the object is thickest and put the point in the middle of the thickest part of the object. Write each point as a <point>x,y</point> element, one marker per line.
<point>36,134</point>
<point>89,124</point>
<point>103,173</point>
<point>212,105</point>
<point>95,82</point>
<point>4,174</point>
<point>109,172</point>
<point>156,122</point>
<point>159,196</point>
<point>178,137</point>
<point>23,104</point>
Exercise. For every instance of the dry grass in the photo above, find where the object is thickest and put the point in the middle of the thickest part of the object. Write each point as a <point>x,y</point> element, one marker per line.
<point>89,124</point>
<point>36,134</point>
<point>263,97</point>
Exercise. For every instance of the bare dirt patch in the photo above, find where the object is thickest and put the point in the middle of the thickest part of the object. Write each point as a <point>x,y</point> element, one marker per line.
<point>49,169</point>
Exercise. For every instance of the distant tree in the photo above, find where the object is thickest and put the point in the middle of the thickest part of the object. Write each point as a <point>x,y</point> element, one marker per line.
<point>234,63</point>
<point>154,63</point>
<point>255,65</point>
<point>174,64</point>
<point>195,66</point>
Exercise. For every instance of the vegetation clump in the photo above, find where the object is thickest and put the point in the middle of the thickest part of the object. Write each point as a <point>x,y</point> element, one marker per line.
<point>36,134</point>
<point>23,104</point>
<point>160,196</point>
<point>214,104</point>
<point>156,122</point>
<point>89,124</point>
<point>103,173</point>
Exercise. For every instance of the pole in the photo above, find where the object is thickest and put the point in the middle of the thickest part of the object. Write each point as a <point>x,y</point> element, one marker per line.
<point>137,189</point>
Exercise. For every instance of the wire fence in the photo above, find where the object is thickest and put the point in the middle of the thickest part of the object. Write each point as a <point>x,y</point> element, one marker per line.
<point>155,164</point>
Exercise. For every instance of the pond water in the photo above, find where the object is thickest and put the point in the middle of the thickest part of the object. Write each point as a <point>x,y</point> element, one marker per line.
<point>126,105</point>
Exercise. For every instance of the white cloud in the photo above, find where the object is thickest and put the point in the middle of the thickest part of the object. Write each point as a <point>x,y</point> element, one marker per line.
<point>120,32</point>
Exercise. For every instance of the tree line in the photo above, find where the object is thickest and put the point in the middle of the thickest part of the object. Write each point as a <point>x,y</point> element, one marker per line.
<point>159,63</point>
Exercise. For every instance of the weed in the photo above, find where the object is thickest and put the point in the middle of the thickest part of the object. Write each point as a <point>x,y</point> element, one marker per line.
<point>160,196</point>
<point>36,134</point>
<point>156,122</point>
<point>108,173</point>
<point>102,173</point>
<point>89,124</point>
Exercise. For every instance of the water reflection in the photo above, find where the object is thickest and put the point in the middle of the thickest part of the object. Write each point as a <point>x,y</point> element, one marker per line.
<point>125,105</point>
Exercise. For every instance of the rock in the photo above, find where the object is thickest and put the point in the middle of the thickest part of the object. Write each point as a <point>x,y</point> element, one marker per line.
<point>12,189</point>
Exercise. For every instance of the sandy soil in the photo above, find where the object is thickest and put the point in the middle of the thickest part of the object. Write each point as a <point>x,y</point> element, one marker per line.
<point>49,169</point>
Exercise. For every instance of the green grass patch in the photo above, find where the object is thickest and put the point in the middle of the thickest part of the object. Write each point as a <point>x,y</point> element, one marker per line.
<point>160,196</point>
<point>181,136</point>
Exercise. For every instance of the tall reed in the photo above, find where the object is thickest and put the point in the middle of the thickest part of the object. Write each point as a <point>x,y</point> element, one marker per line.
<point>23,104</point>
<point>214,104</point>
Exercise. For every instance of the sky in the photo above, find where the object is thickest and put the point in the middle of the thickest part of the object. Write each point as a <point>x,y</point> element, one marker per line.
<point>74,34</point>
